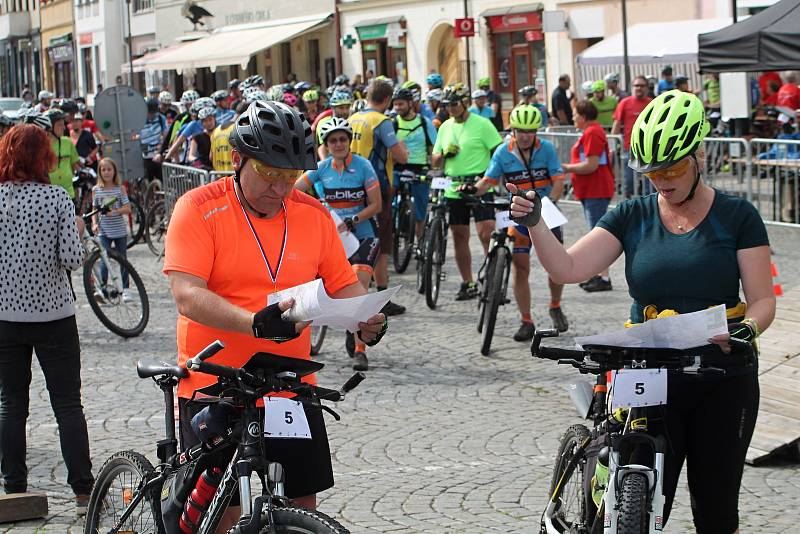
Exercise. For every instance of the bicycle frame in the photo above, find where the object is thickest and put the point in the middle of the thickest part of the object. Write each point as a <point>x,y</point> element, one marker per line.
<point>114,278</point>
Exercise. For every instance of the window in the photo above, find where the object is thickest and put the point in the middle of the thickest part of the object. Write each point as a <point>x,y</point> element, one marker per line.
<point>142,5</point>
<point>88,69</point>
<point>313,60</point>
<point>286,59</point>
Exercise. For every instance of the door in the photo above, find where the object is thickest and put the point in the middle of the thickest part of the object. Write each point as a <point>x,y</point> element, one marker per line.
<point>520,67</point>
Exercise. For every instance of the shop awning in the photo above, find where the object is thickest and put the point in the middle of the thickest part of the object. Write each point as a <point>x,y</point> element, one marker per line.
<point>234,45</point>
<point>376,28</point>
<point>652,42</point>
<point>512,10</point>
<point>141,64</point>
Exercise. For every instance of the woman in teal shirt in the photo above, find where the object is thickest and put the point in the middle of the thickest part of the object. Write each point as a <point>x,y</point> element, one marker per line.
<point>687,247</point>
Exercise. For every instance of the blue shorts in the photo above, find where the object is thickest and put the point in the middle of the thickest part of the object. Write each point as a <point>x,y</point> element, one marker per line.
<point>522,238</point>
<point>420,192</point>
<point>594,209</point>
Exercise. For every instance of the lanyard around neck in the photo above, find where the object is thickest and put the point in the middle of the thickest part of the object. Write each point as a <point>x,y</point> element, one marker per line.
<point>273,275</point>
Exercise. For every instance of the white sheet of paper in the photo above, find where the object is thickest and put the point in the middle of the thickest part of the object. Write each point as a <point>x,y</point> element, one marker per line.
<point>441,183</point>
<point>551,214</point>
<point>312,303</point>
<point>684,331</point>
<point>633,388</point>
<point>349,240</point>
<point>502,219</point>
<point>285,418</point>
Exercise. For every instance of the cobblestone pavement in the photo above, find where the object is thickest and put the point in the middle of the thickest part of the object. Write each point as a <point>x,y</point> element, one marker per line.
<point>437,439</point>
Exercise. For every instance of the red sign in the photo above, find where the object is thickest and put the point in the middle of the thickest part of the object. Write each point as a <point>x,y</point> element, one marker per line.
<point>534,35</point>
<point>85,38</point>
<point>517,21</point>
<point>465,27</point>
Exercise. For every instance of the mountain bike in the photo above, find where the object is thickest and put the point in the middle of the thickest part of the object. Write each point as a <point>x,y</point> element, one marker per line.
<point>432,248</point>
<point>624,495</point>
<point>493,278</point>
<point>130,495</point>
<point>405,225</point>
<point>156,225</point>
<point>123,311</point>
<point>317,337</point>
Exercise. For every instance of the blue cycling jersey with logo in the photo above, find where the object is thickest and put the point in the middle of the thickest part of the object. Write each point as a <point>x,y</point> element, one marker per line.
<point>344,190</point>
<point>543,166</point>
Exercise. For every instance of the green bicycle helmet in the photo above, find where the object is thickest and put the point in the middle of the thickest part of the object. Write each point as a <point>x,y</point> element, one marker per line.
<point>484,83</point>
<point>526,117</point>
<point>310,96</point>
<point>669,129</point>
<point>598,85</point>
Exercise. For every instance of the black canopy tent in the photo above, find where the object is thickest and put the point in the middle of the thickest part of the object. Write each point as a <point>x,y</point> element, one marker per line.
<point>769,40</point>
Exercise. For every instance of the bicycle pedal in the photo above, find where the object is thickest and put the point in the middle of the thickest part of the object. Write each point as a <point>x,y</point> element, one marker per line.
<point>275,472</point>
<point>443,277</point>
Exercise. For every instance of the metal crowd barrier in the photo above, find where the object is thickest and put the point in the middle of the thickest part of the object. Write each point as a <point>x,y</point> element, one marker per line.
<point>177,180</point>
<point>774,175</point>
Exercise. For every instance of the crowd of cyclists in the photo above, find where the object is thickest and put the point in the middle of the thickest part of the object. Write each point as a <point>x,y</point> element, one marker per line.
<point>348,145</point>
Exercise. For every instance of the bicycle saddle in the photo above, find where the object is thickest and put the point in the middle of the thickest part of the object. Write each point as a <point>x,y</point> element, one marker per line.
<point>273,364</point>
<point>148,369</point>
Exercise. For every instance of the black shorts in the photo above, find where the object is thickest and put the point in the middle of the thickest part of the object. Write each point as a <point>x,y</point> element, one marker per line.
<point>460,213</point>
<point>384,219</point>
<point>306,462</point>
<point>365,257</point>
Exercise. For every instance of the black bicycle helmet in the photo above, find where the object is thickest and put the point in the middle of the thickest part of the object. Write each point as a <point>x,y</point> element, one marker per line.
<point>275,134</point>
<point>55,115</point>
<point>152,105</point>
<point>68,106</point>
<point>528,90</point>
<point>341,79</point>
<point>403,94</point>
<point>234,83</point>
<point>5,122</point>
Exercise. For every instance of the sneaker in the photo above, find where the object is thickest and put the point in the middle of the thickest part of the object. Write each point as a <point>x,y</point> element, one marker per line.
<point>468,291</point>
<point>597,284</point>
<point>350,343</point>
<point>99,297</point>
<point>560,322</point>
<point>360,362</point>
<point>525,332</point>
<point>81,504</point>
<point>126,296</point>
<point>393,309</point>
<point>589,281</point>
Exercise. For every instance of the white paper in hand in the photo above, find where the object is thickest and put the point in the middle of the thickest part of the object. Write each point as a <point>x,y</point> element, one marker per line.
<point>349,240</point>
<point>551,214</point>
<point>502,219</point>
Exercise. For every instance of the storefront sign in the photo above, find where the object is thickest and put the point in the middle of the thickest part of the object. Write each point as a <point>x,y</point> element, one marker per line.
<point>393,35</point>
<point>60,53</point>
<point>376,31</point>
<point>85,38</point>
<point>465,27</point>
<point>244,17</point>
<point>534,35</point>
<point>372,47</point>
<point>517,21</point>
<point>503,74</point>
<point>348,41</point>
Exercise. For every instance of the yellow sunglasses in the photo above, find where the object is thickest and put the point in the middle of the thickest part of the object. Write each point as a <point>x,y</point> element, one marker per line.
<point>670,173</point>
<point>274,175</point>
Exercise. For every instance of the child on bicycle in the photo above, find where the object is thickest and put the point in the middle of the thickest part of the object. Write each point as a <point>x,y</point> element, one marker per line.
<point>111,227</point>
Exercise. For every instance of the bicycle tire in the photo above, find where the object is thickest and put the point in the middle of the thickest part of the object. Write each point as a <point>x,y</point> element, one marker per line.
<point>632,517</point>
<point>403,242</point>
<point>139,467</point>
<point>421,261</point>
<point>114,296</point>
<point>136,223</point>
<point>317,337</point>
<point>565,481</point>
<point>150,194</point>
<point>482,297</point>
<point>292,520</point>
<point>494,297</point>
<point>432,271</point>
<point>156,228</point>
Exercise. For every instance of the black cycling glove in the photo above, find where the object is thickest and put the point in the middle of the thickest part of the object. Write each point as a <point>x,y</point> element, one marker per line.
<point>384,328</point>
<point>269,324</point>
<point>351,225</point>
<point>743,331</point>
<point>532,218</point>
<point>469,189</point>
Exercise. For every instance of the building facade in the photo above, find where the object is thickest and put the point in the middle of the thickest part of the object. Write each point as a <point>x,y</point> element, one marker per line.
<point>57,26</point>
<point>20,47</point>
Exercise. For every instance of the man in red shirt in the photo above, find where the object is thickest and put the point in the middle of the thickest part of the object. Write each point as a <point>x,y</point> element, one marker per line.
<point>237,240</point>
<point>624,117</point>
<point>789,93</point>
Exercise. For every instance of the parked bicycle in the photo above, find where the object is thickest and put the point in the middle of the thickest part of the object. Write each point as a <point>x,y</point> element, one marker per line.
<point>130,495</point>
<point>124,311</point>
<point>156,225</point>
<point>609,479</point>
<point>432,246</point>
<point>405,225</point>
<point>493,279</point>
<point>317,337</point>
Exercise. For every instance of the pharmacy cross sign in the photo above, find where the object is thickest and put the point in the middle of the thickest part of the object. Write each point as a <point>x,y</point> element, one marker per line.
<point>348,41</point>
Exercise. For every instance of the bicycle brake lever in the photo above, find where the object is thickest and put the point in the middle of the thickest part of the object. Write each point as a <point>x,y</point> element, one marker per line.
<point>330,411</point>
<point>715,371</point>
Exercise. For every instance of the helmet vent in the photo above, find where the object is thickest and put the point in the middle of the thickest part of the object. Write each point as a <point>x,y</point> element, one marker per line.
<point>667,98</point>
<point>670,146</point>
<point>296,145</point>
<point>681,121</point>
<point>691,135</point>
<point>250,140</point>
<point>279,148</point>
<point>290,122</point>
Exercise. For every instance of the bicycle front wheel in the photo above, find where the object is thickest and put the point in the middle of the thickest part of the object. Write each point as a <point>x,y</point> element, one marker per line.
<point>420,252</point>
<point>156,228</point>
<point>632,518</point>
<point>494,296</point>
<point>566,488</point>
<point>403,244</point>
<point>123,311</point>
<point>135,221</point>
<point>433,263</point>
<point>151,194</point>
<point>317,337</point>
<point>291,520</point>
<point>114,491</point>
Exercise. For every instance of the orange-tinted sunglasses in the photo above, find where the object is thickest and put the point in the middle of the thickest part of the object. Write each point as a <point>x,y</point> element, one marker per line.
<point>273,175</point>
<point>670,173</point>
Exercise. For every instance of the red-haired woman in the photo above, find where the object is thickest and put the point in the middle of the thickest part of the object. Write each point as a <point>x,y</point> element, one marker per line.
<point>39,244</point>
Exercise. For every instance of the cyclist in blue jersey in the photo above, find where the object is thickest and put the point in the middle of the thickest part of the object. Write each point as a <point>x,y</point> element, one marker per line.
<point>223,113</point>
<point>419,135</point>
<point>529,163</point>
<point>189,130</point>
<point>348,186</point>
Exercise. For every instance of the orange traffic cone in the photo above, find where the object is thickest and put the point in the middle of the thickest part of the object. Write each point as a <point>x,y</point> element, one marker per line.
<point>776,286</point>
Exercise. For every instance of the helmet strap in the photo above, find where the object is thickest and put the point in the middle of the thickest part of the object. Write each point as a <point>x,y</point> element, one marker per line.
<point>238,183</point>
<point>692,191</point>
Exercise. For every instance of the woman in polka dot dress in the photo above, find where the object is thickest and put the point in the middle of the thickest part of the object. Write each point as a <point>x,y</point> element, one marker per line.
<point>39,244</point>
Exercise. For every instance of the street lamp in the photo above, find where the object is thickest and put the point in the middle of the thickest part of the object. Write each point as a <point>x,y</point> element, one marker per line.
<point>130,41</point>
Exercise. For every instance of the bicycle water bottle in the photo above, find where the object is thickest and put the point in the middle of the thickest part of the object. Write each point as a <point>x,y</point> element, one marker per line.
<point>600,478</point>
<point>198,501</point>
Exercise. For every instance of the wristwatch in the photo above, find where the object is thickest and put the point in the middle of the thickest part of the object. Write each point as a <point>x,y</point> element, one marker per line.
<point>355,219</point>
